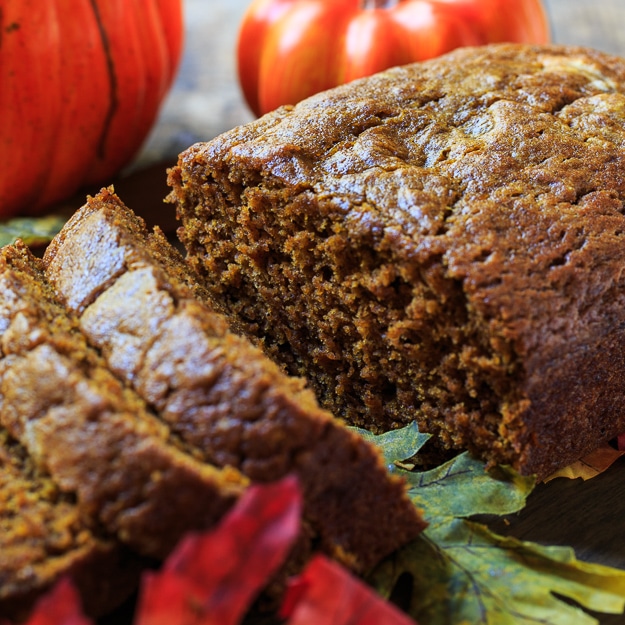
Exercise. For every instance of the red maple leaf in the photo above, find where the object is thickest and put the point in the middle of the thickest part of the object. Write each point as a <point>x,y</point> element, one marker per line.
<point>212,578</point>
<point>327,594</point>
<point>59,606</point>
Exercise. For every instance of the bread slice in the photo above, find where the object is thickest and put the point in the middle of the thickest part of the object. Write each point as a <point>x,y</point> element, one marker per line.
<point>441,243</point>
<point>44,536</point>
<point>127,470</point>
<point>138,304</point>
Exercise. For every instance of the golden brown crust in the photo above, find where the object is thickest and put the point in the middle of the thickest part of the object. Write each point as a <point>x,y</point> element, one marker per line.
<point>440,242</point>
<point>230,404</point>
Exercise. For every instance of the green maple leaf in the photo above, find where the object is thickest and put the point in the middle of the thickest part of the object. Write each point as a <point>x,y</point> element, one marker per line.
<point>396,445</point>
<point>463,573</point>
<point>32,230</point>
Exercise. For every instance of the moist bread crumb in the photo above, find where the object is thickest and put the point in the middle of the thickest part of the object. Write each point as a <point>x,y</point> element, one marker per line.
<point>441,242</point>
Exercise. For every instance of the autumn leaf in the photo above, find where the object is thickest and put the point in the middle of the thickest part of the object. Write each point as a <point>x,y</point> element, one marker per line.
<point>464,573</point>
<point>31,230</point>
<point>396,446</point>
<point>462,488</point>
<point>327,594</point>
<point>212,578</point>
<point>60,606</point>
<point>461,572</point>
<point>591,465</point>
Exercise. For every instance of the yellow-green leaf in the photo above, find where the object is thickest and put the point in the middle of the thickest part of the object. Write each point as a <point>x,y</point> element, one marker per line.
<point>397,445</point>
<point>462,487</point>
<point>32,230</point>
<point>462,573</point>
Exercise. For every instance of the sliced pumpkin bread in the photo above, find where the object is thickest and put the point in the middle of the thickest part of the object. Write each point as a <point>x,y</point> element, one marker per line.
<point>96,438</point>
<point>138,304</point>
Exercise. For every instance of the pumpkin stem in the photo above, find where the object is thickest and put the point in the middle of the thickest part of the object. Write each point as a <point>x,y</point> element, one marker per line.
<point>379,4</point>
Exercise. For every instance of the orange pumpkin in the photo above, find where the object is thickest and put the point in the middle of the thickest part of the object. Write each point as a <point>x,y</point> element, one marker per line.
<point>81,84</point>
<point>290,49</point>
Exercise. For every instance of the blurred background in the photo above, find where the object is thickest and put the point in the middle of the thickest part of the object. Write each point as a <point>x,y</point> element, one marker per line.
<point>206,99</point>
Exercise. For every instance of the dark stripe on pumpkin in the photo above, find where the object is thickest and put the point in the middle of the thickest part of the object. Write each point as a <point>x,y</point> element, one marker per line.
<point>113,96</point>
<point>9,28</point>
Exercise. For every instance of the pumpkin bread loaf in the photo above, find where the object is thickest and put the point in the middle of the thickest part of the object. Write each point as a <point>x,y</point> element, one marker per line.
<point>43,536</point>
<point>96,439</point>
<point>442,242</point>
<point>140,306</point>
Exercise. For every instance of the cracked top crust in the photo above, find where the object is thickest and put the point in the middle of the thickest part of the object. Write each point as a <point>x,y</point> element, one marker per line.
<point>437,149</point>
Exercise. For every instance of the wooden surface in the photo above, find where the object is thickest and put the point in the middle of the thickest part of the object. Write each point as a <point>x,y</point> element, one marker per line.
<point>206,101</point>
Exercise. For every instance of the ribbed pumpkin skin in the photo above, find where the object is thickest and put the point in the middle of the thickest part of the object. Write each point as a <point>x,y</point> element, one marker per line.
<point>81,84</point>
<point>290,49</point>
